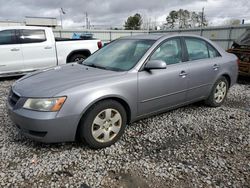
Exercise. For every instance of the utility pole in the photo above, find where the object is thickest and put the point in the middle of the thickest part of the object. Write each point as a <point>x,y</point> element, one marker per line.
<point>87,22</point>
<point>61,13</point>
<point>180,24</point>
<point>149,20</point>
<point>202,20</point>
<point>202,17</point>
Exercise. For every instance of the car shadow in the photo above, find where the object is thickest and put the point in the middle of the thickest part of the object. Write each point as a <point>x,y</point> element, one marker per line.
<point>58,147</point>
<point>9,78</point>
<point>244,80</point>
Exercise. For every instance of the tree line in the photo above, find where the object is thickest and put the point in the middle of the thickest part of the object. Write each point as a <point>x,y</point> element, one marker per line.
<point>176,19</point>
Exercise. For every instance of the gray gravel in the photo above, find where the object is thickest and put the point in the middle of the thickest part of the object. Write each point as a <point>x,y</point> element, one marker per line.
<point>193,146</point>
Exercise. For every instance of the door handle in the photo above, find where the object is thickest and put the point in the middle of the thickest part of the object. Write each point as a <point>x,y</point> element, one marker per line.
<point>183,74</point>
<point>216,67</point>
<point>15,49</point>
<point>47,47</point>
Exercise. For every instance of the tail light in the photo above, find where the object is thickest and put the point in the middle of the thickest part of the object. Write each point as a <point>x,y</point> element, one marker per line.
<point>238,61</point>
<point>99,44</point>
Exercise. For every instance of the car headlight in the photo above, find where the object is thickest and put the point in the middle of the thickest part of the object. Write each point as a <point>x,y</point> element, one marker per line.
<point>45,104</point>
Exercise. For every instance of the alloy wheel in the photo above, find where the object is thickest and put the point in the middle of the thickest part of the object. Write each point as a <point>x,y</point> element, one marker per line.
<point>220,92</point>
<point>106,125</point>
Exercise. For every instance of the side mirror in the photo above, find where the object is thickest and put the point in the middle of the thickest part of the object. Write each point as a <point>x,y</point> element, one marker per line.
<point>155,64</point>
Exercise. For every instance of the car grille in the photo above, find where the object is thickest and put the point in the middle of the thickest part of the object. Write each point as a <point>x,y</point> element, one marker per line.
<point>13,98</point>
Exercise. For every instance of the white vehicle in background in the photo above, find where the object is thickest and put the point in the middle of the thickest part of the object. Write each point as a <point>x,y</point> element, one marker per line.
<point>25,49</point>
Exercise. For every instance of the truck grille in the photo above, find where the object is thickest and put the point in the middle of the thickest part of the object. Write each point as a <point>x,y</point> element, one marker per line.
<point>13,98</point>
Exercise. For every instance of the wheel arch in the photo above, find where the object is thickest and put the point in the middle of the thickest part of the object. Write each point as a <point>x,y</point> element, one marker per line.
<point>84,52</point>
<point>119,99</point>
<point>228,78</point>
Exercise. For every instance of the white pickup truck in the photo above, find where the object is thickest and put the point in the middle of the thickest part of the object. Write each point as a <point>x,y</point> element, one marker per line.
<point>24,49</point>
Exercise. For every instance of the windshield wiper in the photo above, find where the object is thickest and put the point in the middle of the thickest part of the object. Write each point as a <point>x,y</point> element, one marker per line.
<point>101,67</point>
<point>95,66</point>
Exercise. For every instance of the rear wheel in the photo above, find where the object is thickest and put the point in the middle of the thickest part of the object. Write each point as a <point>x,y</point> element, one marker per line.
<point>103,124</point>
<point>219,92</point>
<point>77,58</point>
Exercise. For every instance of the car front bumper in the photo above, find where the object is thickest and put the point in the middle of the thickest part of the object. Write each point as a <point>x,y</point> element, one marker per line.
<point>44,126</point>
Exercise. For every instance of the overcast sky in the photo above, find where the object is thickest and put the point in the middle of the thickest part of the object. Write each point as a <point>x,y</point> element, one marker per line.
<point>115,12</point>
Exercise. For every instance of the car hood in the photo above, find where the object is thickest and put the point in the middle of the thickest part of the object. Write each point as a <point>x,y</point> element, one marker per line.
<point>49,82</point>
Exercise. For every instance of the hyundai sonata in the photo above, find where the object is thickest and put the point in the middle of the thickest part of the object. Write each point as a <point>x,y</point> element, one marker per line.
<point>129,79</point>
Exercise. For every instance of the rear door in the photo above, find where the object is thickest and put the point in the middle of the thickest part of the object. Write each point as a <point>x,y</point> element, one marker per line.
<point>202,67</point>
<point>163,88</point>
<point>38,51</point>
<point>11,59</point>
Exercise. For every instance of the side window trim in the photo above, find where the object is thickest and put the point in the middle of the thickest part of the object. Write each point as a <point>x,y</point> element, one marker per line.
<point>17,33</point>
<point>184,50</point>
<point>209,56</point>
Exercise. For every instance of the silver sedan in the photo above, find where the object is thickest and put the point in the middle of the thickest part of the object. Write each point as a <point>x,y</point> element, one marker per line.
<point>129,79</point>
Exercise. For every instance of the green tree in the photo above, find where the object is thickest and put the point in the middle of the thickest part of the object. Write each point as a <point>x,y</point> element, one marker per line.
<point>171,19</point>
<point>185,19</point>
<point>133,22</point>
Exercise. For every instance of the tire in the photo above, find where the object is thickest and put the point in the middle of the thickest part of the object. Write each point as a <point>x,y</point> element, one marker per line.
<point>77,58</point>
<point>103,124</point>
<point>218,93</point>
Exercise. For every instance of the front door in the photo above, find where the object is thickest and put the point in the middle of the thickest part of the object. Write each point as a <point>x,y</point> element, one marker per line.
<point>163,88</point>
<point>11,58</point>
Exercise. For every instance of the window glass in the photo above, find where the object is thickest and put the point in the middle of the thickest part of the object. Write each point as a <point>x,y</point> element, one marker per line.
<point>120,55</point>
<point>7,37</point>
<point>169,52</point>
<point>140,49</point>
<point>32,36</point>
<point>212,52</point>
<point>197,49</point>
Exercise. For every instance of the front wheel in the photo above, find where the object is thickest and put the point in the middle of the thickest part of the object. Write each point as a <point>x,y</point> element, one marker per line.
<point>219,92</point>
<point>103,124</point>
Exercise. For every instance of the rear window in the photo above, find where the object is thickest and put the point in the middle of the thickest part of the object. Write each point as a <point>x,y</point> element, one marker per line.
<point>8,37</point>
<point>32,36</point>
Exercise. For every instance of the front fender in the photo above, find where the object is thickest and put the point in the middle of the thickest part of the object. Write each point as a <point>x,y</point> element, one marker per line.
<point>81,100</point>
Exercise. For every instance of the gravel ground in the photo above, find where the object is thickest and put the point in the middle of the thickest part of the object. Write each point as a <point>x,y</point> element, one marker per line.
<point>193,146</point>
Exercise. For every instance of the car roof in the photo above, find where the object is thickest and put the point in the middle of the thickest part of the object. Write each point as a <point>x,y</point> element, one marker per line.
<point>144,36</point>
<point>157,36</point>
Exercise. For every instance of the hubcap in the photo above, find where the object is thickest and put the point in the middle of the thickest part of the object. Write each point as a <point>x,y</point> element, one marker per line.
<point>106,125</point>
<point>220,92</point>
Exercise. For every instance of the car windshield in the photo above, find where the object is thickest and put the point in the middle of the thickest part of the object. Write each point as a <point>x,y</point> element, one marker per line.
<point>120,55</point>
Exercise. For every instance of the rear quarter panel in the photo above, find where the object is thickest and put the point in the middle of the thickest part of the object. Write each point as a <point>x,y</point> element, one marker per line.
<point>229,66</point>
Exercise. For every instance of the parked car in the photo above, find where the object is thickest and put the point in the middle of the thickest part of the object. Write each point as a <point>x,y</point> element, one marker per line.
<point>129,79</point>
<point>24,49</point>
